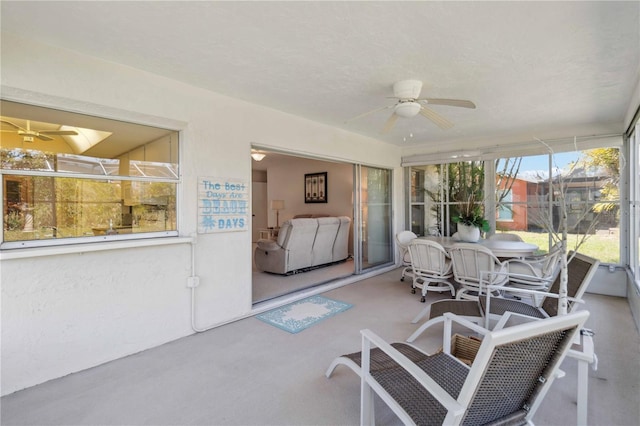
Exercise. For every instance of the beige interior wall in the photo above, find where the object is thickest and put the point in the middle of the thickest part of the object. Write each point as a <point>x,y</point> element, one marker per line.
<point>286,182</point>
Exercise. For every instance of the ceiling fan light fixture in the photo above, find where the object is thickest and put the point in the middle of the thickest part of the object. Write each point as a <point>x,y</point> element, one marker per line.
<point>407,89</point>
<point>407,109</point>
<point>257,156</point>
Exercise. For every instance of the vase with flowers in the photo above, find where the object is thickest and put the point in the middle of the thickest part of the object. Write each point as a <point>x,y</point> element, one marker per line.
<point>470,219</point>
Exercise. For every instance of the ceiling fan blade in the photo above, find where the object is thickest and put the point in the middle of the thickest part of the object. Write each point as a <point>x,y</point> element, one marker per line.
<point>450,102</point>
<point>43,137</point>
<point>369,112</point>
<point>15,126</point>
<point>391,121</point>
<point>59,132</point>
<point>439,120</point>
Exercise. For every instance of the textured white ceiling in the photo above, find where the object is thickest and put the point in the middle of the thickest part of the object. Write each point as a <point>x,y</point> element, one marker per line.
<point>534,69</point>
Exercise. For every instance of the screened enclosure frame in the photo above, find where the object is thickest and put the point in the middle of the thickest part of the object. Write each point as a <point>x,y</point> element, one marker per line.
<point>492,207</point>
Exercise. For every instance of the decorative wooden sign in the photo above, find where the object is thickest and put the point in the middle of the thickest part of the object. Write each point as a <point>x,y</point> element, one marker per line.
<point>223,205</point>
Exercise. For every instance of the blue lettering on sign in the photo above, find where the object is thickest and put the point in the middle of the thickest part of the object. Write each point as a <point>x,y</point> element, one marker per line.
<point>208,223</point>
<point>222,205</point>
<point>225,207</point>
<point>231,223</point>
<point>207,207</point>
<point>234,187</point>
<point>211,185</point>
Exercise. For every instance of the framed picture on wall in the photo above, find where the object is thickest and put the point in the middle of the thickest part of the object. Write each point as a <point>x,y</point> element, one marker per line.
<point>315,187</point>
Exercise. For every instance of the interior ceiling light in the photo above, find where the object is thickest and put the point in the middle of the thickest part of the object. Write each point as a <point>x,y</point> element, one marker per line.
<point>410,136</point>
<point>257,156</point>
<point>407,109</point>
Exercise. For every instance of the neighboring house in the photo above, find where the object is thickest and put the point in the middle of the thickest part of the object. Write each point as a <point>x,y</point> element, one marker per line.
<point>524,200</point>
<point>582,193</point>
<point>512,217</point>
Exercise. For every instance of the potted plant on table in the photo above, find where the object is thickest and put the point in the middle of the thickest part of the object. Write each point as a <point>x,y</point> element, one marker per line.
<point>470,219</point>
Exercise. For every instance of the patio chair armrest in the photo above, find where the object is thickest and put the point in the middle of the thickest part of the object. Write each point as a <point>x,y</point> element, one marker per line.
<point>447,330</point>
<point>443,397</point>
<point>536,281</point>
<point>535,257</point>
<point>513,318</point>
<point>489,276</point>
<point>450,317</point>
<point>526,261</point>
<point>515,276</point>
<point>587,353</point>
<point>531,292</point>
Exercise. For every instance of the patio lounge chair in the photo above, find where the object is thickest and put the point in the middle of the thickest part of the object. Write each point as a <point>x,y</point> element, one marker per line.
<point>439,389</point>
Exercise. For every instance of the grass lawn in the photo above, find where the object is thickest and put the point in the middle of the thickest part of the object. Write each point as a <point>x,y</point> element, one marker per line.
<point>602,245</point>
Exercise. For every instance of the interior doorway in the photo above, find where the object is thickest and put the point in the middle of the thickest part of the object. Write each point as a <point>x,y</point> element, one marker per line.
<point>258,209</point>
<point>284,178</point>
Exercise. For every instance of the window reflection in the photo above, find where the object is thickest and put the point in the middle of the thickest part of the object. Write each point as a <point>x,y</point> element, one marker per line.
<point>68,175</point>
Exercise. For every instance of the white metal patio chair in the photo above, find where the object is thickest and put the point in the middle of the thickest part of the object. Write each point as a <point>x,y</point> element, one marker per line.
<point>439,389</point>
<point>580,271</point>
<point>403,239</point>
<point>530,273</point>
<point>431,265</point>
<point>535,273</point>
<point>470,261</point>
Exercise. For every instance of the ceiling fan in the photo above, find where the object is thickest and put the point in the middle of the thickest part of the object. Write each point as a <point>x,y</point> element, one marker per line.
<point>28,134</point>
<point>410,104</point>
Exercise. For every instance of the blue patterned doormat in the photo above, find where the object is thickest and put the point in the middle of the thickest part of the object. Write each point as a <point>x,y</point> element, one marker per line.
<point>304,313</point>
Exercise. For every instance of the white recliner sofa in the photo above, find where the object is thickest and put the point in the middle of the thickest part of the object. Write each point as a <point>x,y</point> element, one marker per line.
<point>304,244</point>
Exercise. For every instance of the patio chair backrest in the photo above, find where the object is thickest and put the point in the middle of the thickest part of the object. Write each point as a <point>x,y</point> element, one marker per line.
<point>551,261</point>
<point>429,257</point>
<point>403,238</point>
<point>513,376</point>
<point>505,236</point>
<point>473,262</point>
<point>580,270</point>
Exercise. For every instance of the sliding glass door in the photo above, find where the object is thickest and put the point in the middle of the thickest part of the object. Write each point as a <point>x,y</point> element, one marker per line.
<point>358,192</point>
<point>373,216</point>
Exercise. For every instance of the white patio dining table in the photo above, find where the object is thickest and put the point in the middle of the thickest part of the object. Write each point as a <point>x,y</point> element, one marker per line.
<point>500,248</point>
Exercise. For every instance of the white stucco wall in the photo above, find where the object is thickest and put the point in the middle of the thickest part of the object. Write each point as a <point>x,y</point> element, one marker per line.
<point>69,311</point>
<point>65,313</point>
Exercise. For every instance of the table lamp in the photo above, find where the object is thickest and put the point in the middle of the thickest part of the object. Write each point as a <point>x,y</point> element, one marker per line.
<point>277,205</point>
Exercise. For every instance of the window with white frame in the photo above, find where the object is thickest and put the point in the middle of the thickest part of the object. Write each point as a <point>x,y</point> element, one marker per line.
<point>530,193</point>
<point>634,202</point>
<point>70,178</point>
<point>504,213</point>
<point>438,190</point>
